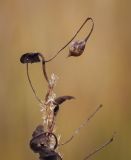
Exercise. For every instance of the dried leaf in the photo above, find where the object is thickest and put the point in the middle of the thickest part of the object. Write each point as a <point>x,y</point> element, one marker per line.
<point>61,99</point>
<point>56,109</point>
<point>48,154</point>
<point>39,129</point>
<point>30,58</point>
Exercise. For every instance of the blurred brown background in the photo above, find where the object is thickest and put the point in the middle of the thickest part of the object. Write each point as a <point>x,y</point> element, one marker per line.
<point>100,75</point>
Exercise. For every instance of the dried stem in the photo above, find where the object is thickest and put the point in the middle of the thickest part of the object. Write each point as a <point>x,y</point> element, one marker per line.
<point>48,106</point>
<point>87,37</point>
<point>82,125</point>
<point>87,19</point>
<point>44,73</point>
<point>27,71</point>
<point>44,68</point>
<point>100,148</point>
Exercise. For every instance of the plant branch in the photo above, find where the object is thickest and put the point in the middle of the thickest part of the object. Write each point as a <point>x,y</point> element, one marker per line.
<point>27,71</point>
<point>100,148</point>
<point>87,37</point>
<point>82,125</point>
<point>44,67</point>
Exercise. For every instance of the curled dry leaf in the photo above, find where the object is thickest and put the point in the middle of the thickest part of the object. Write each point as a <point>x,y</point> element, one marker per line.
<point>43,140</point>
<point>48,154</point>
<point>76,48</point>
<point>59,101</point>
<point>30,58</point>
<point>39,129</point>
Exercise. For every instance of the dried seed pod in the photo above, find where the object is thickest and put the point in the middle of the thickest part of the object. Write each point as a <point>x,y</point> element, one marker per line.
<point>76,48</point>
<point>30,58</point>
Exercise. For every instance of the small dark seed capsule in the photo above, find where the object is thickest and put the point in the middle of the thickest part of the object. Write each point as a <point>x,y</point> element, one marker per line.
<point>77,48</point>
<point>30,58</point>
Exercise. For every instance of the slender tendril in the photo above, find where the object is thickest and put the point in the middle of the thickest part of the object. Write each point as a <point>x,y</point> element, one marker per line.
<point>82,125</point>
<point>100,148</point>
<point>44,73</point>
<point>87,37</point>
<point>44,67</point>
<point>87,19</point>
<point>44,61</point>
<point>28,76</point>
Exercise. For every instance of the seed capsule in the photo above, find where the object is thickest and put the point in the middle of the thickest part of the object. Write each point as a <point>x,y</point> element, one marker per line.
<point>77,48</point>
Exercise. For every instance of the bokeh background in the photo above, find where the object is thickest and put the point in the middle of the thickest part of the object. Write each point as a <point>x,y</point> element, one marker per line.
<point>100,75</point>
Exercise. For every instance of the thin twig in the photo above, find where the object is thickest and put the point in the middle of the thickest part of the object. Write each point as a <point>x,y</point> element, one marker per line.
<point>87,37</point>
<point>45,76</point>
<point>27,71</point>
<point>100,148</point>
<point>82,125</point>
<point>87,19</point>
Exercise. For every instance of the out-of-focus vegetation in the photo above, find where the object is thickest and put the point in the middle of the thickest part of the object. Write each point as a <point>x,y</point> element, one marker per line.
<point>100,75</point>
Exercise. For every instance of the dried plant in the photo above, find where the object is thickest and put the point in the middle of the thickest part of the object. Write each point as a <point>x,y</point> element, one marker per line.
<point>44,140</point>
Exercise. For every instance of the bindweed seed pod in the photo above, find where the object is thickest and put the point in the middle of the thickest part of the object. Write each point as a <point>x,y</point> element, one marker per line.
<point>76,48</point>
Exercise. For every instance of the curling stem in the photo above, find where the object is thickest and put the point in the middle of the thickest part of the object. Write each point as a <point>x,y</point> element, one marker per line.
<point>87,19</point>
<point>27,71</point>
<point>44,67</point>
<point>87,37</point>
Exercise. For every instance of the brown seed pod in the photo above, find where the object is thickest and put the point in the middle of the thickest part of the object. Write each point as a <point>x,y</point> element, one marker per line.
<point>76,48</point>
